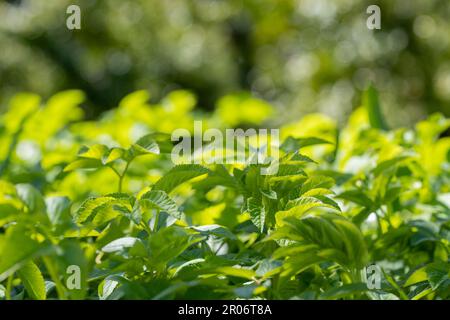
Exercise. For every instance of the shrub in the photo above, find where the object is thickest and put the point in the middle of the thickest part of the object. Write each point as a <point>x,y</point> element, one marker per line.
<point>97,210</point>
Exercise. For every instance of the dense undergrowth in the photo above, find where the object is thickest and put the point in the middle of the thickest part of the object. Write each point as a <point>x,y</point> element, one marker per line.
<point>102,200</point>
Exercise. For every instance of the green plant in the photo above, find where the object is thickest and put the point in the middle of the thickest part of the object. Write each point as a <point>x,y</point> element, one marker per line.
<point>138,227</point>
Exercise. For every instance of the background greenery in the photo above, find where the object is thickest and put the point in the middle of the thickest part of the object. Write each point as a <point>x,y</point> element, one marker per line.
<point>86,177</point>
<point>300,55</point>
<point>105,196</point>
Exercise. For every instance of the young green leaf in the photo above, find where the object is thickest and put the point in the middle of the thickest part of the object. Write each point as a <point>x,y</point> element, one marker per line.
<point>32,280</point>
<point>159,200</point>
<point>178,175</point>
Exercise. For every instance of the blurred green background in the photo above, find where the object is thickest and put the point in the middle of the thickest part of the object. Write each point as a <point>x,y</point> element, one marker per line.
<point>302,56</point>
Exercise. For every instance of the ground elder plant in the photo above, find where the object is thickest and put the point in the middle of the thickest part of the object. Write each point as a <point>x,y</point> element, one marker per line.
<point>98,210</point>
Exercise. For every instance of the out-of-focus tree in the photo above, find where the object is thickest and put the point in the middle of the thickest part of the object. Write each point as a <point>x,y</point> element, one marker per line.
<point>301,55</point>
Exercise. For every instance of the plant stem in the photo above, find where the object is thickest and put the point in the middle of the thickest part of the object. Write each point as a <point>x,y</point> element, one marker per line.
<point>54,275</point>
<point>121,176</point>
<point>117,174</point>
<point>9,287</point>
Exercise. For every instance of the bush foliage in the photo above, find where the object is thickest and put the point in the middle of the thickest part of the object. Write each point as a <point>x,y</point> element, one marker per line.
<point>104,197</point>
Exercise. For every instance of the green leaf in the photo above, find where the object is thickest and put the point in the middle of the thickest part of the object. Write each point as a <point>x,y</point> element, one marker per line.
<point>316,182</point>
<point>20,108</point>
<point>326,231</point>
<point>96,156</point>
<point>387,164</point>
<point>361,216</point>
<point>269,194</point>
<point>153,143</point>
<point>31,197</point>
<point>372,105</point>
<point>356,196</point>
<point>422,294</point>
<point>257,213</point>
<point>215,230</point>
<point>291,144</point>
<point>114,154</point>
<point>178,175</point>
<point>168,243</point>
<point>97,151</point>
<point>107,287</point>
<point>299,263</point>
<point>33,281</point>
<point>158,199</point>
<point>103,209</point>
<point>353,240</point>
<point>58,209</point>
<point>298,158</point>
<point>72,253</point>
<point>437,274</point>
<point>300,206</point>
<point>417,276</point>
<point>2,292</point>
<point>120,244</point>
<point>328,201</point>
<point>89,206</point>
<point>236,272</point>
<point>344,291</point>
<point>83,164</point>
<point>17,246</point>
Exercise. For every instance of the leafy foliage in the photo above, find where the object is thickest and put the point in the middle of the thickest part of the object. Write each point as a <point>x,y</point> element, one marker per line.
<point>104,196</point>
